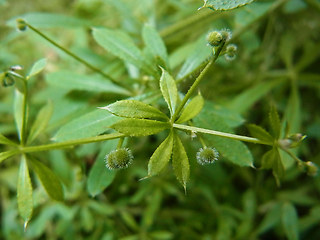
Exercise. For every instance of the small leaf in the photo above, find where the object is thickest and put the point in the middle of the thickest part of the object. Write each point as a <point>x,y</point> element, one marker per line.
<point>37,67</point>
<point>274,122</point>
<point>260,133</point>
<point>121,45</point>
<point>268,159</point>
<point>7,154</point>
<point>49,180</point>
<point>154,43</point>
<point>134,109</point>
<point>24,192</point>
<point>225,5</point>
<point>88,125</point>
<point>271,218</point>
<point>161,156</point>
<point>278,169</point>
<point>101,177</point>
<point>169,90</point>
<point>192,109</point>
<point>93,83</point>
<point>6,141</point>
<point>180,161</point>
<point>139,127</point>
<point>290,221</point>
<point>40,122</point>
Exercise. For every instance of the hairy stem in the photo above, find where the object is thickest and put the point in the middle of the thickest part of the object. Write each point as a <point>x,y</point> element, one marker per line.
<point>74,56</point>
<point>71,143</point>
<point>220,134</point>
<point>196,82</point>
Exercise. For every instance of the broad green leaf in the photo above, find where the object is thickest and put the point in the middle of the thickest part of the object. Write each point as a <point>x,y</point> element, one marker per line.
<point>169,90</point>
<point>268,159</point>
<point>274,122</point>
<point>49,180</point>
<point>260,133</point>
<point>7,154</point>
<point>41,122</point>
<point>24,192</point>
<point>139,127</point>
<point>18,109</point>
<point>271,218</point>
<point>200,53</point>
<point>225,5</point>
<point>49,20</point>
<point>150,212</point>
<point>192,109</point>
<point>6,141</point>
<point>73,81</point>
<point>180,161</point>
<point>37,67</point>
<point>249,97</point>
<point>134,109</point>
<point>154,43</point>
<point>161,156</point>
<point>233,150</point>
<point>88,125</point>
<point>121,45</point>
<point>100,177</point>
<point>290,221</point>
<point>251,13</point>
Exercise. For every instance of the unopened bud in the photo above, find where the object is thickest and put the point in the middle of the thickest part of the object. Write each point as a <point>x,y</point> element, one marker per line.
<point>214,38</point>
<point>21,24</point>
<point>312,169</point>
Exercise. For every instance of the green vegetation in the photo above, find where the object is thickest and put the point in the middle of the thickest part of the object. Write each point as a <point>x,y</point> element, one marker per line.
<point>149,119</point>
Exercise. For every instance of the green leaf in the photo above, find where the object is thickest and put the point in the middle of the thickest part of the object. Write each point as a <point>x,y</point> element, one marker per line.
<point>49,180</point>
<point>6,141</point>
<point>200,53</point>
<point>293,111</point>
<point>274,122</point>
<point>233,150</point>
<point>24,192</point>
<point>268,159</point>
<point>134,109</point>
<point>271,218</point>
<point>7,154</point>
<point>37,67</point>
<point>155,44</point>
<point>49,20</point>
<point>41,122</point>
<point>249,97</point>
<point>88,125</point>
<point>161,156</point>
<point>121,45</point>
<point>193,108</point>
<point>100,177</point>
<point>180,161</point>
<point>73,81</point>
<point>290,221</point>
<point>169,90</point>
<point>139,127</point>
<point>278,169</point>
<point>225,5</point>
<point>260,133</point>
<point>150,213</point>
<point>18,109</point>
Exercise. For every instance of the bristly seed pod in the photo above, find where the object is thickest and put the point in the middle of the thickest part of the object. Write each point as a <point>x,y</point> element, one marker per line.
<point>231,51</point>
<point>214,38</point>
<point>119,159</point>
<point>21,24</point>
<point>207,155</point>
<point>312,169</point>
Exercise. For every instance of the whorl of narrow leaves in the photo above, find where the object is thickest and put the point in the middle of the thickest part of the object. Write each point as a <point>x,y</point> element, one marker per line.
<point>225,4</point>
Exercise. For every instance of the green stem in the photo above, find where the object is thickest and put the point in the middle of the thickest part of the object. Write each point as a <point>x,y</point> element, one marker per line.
<point>220,134</point>
<point>24,113</point>
<point>196,82</point>
<point>71,143</point>
<point>72,54</point>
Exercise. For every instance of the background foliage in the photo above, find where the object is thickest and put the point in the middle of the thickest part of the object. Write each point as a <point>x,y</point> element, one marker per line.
<point>277,63</point>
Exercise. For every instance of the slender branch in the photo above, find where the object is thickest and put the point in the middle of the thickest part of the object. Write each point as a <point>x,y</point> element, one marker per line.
<point>220,134</point>
<point>72,54</point>
<point>196,82</point>
<point>71,143</point>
